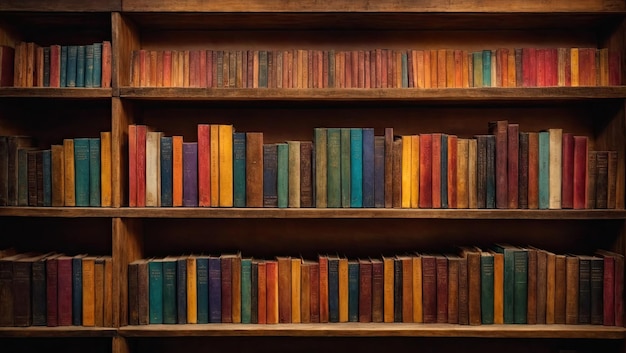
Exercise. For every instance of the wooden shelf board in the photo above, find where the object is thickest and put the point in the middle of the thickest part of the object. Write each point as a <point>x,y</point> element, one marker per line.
<point>61,212</point>
<point>374,6</point>
<point>60,5</point>
<point>60,331</point>
<point>377,330</point>
<point>47,92</point>
<point>546,94</point>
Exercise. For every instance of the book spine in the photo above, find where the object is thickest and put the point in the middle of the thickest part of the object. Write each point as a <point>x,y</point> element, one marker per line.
<point>282,174</point>
<point>215,292</point>
<point>254,170</point>
<point>320,144</point>
<point>353,291</point>
<point>487,289</point>
<point>239,169</point>
<point>94,172</point>
<point>356,167</point>
<point>246,291</point>
<point>369,169</point>
<point>190,174</point>
<point>270,175</point>
<point>169,292</point>
<point>38,293</point>
<point>334,167</point>
<point>166,171</point>
<point>202,290</point>
<point>155,290</point>
<point>306,174</point>
<point>544,170</point>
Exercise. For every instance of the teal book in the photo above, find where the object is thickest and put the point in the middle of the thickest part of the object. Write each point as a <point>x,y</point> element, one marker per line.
<point>169,290</point>
<point>353,291</point>
<point>80,66</point>
<point>444,171</point>
<point>331,68</point>
<point>63,64</point>
<point>544,170</point>
<point>486,287</point>
<point>405,70</point>
<point>72,56</point>
<point>47,177</point>
<point>89,66</point>
<point>94,172</point>
<point>333,156</point>
<point>202,289</point>
<point>477,63</point>
<point>167,187</point>
<point>520,296</point>
<point>239,169</point>
<point>81,171</point>
<point>282,190</point>
<point>369,168</point>
<point>509,280</point>
<point>345,157</point>
<point>155,290</point>
<point>356,167</point>
<point>97,65</point>
<point>487,68</point>
<point>246,290</point>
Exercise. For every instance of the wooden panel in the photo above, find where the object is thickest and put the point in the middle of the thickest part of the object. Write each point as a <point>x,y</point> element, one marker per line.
<point>376,6</point>
<point>60,93</point>
<point>60,331</point>
<point>125,39</point>
<point>75,344</point>
<point>60,5</point>
<point>121,118</point>
<point>127,247</point>
<point>59,212</point>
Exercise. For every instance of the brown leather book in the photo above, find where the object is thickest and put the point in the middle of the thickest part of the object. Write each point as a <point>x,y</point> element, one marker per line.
<point>452,164</point>
<point>513,151</point>
<point>500,130</point>
<point>542,285</point>
<point>418,312</point>
<point>567,175</point>
<point>407,287</point>
<point>453,288</point>
<point>99,292</point>
<point>550,287</point>
<point>226,263</point>
<point>133,294</point>
<point>473,279</point>
<point>365,290</point>
<point>442,288</point>
<point>560,284</point>
<point>314,278</point>
<point>58,177</point>
<point>377,290</point>
<point>441,68</point>
<point>533,170</point>
<point>522,182</point>
<point>284,289</point>
<point>571,289</point>
<point>261,292</point>
<point>388,290</point>
<point>531,303</point>
<point>611,194</point>
<point>108,291</point>
<point>429,288</point>
<point>323,287</point>
<point>602,179</point>
<point>306,176</point>
<point>498,287</point>
<point>254,169</point>
<point>236,288</point>
<point>305,292</point>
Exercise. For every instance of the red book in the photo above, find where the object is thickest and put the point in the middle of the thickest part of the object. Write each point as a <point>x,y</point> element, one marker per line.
<point>368,69</point>
<point>55,66</point>
<point>378,63</point>
<point>568,67</point>
<point>132,165</point>
<point>500,130</point>
<point>64,291</point>
<point>7,65</point>
<point>567,172</point>
<point>533,170</point>
<point>159,69</point>
<point>504,58</point>
<point>271,270</point>
<point>204,165</point>
<point>360,68</point>
<point>613,288</point>
<point>513,165</point>
<point>579,179</point>
<point>141,165</point>
<point>314,277</point>
<point>262,292</point>
<point>587,66</point>
<point>452,160</point>
<point>167,68</point>
<point>541,67</point>
<point>426,181</point>
<point>554,66</point>
<point>52,277</point>
<point>529,67</point>
<point>202,69</point>
<point>365,291</point>
<point>323,288</point>
<point>614,68</point>
<point>384,68</point>
<point>436,170</point>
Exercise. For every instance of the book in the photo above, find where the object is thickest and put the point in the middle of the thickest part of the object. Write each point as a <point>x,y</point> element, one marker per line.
<point>239,169</point>
<point>254,169</point>
<point>190,174</point>
<point>82,173</point>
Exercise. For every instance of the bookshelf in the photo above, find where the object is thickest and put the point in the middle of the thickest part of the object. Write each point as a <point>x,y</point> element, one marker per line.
<point>129,234</point>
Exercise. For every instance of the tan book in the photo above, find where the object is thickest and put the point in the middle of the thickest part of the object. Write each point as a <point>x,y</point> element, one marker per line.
<point>89,287</point>
<point>153,169</point>
<point>555,167</point>
<point>68,154</point>
<point>296,290</point>
<point>294,174</point>
<point>284,290</point>
<point>388,273</point>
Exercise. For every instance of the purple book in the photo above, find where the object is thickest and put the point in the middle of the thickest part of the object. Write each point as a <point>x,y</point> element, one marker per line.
<point>190,174</point>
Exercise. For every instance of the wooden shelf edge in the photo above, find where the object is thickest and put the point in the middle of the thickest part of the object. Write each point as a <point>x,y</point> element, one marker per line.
<point>377,330</point>
<point>60,212</point>
<point>60,331</point>
<point>48,92</point>
<point>61,5</point>
<point>379,94</point>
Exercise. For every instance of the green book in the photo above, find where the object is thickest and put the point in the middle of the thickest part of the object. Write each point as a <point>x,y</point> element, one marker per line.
<point>520,295</point>
<point>356,167</point>
<point>81,171</point>
<point>155,291</point>
<point>544,170</point>
<point>345,166</point>
<point>239,169</point>
<point>94,172</point>
<point>283,175</point>
<point>246,291</point>
<point>321,163</point>
<point>334,167</point>
<point>478,68</point>
<point>487,68</point>
<point>486,287</point>
<point>169,290</point>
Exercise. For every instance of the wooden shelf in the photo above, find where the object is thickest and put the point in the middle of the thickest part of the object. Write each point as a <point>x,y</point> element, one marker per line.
<point>296,213</point>
<point>538,94</point>
<point>60,331</point>
<point>65,5</point>
<point>374,6</point>
<point>377,330</point>
<point>47,92</point>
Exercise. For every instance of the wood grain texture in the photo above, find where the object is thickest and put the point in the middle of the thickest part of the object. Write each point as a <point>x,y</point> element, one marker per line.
<point>58,331</point>
<point>127,247</point>
<point>61,6</point>
<point>126,39</point>
<point>62,93</point>
<point>121,117</point>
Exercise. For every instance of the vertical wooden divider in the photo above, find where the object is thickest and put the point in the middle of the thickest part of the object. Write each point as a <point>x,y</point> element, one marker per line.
<point>125,40</point>
<point>127,247</point>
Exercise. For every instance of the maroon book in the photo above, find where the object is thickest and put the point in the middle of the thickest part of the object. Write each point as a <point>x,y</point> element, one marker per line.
<point>567,173</point>
<point>314,277</point>
<point>513,160</point>
<point>500,130</point>
<point>442,288</point>
<point>365,291</point>
<point>52,275</point>
<point>425,171</point>
<point>529,67</point>
<point>377,290</point>
<point>429,289</point>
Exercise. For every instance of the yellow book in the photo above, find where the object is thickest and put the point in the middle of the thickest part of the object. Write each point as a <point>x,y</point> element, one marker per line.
<point>105,169</point>
<point>388,270</point>
<point>214,169</point>
<point>574,67</point>
<point>192,295</point>
<point>450,70</point>
<point>406,170</point>
<point>472,197</point>
<point>555,169</point>
<point>418,313</point>
<point>498,287</point>
<point>296,264</point>
<point>494,71</point>
<point>89,285</point>
<point>512,79</point>
<point>226,165</point>
<point>415,170</point>
<point>343,289</point>
<point>462,200</point>
<point>68,153</point>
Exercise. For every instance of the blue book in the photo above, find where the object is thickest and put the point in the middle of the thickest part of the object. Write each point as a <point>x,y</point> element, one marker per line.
<point>77,290</point>
<point>356,167</point>
<point>239,169</point>
<point>81,171</point>
<point>215,289</point>
<point>444,171</point>
<point>169,290</point>
<point>270,175</point>
<point>80,66</point>
<point>72,57</point>
<point>47,177</point>
<point>379,171</point>
<point>63,70</point>
<point>166,171</point>
<point>246,291</point>
<point>94,172</point>
<point>97,65</point>
<point>544,169</point>
<point>369,168</point>
<point>155,291</point>
<point>487,68</point>
<point>88,66</point>
<point>353,291</point>
<point>190,174</point>
<point>282,177</point>
<point>405,70</point>
<point>181,290</point>
<point>490,187</point>
<point>202,289</point>
<point>333,289</point>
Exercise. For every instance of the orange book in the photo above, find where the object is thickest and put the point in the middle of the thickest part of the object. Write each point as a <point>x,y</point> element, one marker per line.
<point>419,71</point>
<point>388,297</point>
<point>450,68</point>
<point>192,295</point>
<point>504,67</point>
<point>255,69</point>
<point>511,73</point>
<point>407,288</point>
<point>415,170</point>
<point>272,294</point>
<point>296,290</point>
<point>343,289</point>
<point>89,296</point>
<point>574,66</point>
<point>441,68</point>
<point>174,69</point>
<point>305,292</point>
<point>167,68</point>
<point>225,165</point>
<point>186,62</point>
<point>462,180</point>
<point>132,165</point>
<point>417,288</point>
<point>152,77</point>
<point>105,169</point>
<point>106,64</point>
<point>458,68</point>
<point>436,170</point>
<point>177,171</point>
<point>262,292</point>
<point>465,69</point>
<point>433,68</point>
<point>39,64</point>
<point>135,68</point>
<point>204,165</point>
<point>406,170</point>
<point>284,289</point>
<point>323,288</point>
<point>68,153</point>
<point>159,68</point>
<point>214,168</point>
